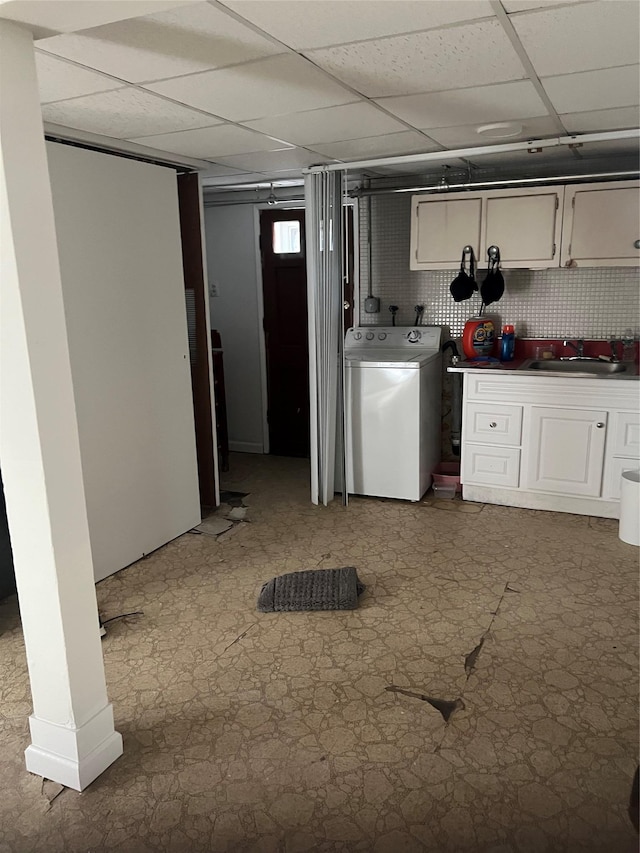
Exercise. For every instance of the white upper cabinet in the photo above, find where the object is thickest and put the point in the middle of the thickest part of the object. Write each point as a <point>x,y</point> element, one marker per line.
<point>587,225</point>
<point>602,225</point>
<point>525,225</point>
<point>441,226</point>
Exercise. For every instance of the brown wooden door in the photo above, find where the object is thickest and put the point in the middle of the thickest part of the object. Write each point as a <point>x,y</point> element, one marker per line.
<point>284,282</point>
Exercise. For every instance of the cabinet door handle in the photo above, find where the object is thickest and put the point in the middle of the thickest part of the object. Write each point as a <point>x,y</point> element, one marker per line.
<point>636,245</point>
<point>493,424</point>
<point>599,424</point>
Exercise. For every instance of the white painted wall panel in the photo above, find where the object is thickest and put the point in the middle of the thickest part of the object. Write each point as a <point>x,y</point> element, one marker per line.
<point>232,267</point>
<point>120,256</point>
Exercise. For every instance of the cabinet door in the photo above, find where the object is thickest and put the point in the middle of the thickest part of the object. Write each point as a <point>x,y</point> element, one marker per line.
<point>565,451</point>
<point>602,225</point>
<point>441,227</point>
<point>526,226</point>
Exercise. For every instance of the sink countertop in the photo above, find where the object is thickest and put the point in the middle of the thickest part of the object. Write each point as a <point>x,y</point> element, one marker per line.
<point>517,366</point>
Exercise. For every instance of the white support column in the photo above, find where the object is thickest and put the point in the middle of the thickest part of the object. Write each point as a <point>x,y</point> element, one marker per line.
<point>73,737</point>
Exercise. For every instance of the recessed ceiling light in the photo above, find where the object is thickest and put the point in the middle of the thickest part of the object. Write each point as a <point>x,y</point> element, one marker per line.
<point>500,130</point>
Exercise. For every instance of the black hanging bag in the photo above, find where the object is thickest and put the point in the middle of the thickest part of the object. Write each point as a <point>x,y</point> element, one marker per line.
<point>464,284</point>
<point>492,288</point>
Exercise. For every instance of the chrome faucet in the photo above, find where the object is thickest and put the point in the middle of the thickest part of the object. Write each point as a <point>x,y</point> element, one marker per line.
<point>578,348</point>
<point>614,349</point>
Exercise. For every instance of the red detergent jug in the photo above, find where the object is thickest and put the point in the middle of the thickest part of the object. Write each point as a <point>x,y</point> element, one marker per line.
<point>478,337</point>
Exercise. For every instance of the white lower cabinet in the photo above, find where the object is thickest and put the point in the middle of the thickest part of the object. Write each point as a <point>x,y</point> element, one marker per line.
<point>566,451</point>
<point>549,442</point>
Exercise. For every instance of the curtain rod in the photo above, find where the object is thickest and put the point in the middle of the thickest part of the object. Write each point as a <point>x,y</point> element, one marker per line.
<point>479,150</point>
<point>447,187</point>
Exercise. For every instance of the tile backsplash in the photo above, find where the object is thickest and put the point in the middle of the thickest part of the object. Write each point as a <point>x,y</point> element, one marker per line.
<point>585,302</point>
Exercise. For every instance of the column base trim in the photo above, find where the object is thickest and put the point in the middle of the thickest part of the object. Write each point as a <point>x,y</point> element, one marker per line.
<point>73,757</point>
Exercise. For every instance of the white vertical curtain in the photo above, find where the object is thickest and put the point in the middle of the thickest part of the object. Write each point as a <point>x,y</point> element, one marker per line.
<point>323,202</point>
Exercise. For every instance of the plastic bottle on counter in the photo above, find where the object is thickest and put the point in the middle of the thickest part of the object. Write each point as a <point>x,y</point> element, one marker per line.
<point>508,343</point>
<point>628,346</point>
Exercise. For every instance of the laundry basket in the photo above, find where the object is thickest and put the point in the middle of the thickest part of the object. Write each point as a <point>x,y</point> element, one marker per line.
<point>447,476</point>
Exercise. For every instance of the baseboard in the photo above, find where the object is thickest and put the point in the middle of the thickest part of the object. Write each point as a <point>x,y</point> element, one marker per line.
<point>246,447</point>
<point>542,500</point>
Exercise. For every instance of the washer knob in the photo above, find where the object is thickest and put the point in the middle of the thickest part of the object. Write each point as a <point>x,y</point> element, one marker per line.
<point>382,336</point>
<point>370,336</point>
<point>357,336</point>
<point>414,336</point>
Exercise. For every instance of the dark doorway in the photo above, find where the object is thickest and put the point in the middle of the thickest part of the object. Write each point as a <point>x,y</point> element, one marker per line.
<point>284,282</point>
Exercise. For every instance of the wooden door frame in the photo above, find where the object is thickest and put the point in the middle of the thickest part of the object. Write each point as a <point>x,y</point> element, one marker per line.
<point>262,344</point>
<point>194,260</point>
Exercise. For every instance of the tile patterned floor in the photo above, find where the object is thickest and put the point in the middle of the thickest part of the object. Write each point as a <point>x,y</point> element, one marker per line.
<point>274,733</point>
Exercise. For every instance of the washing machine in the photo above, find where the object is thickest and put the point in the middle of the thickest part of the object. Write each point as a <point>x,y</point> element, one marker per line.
<point>393,392</point>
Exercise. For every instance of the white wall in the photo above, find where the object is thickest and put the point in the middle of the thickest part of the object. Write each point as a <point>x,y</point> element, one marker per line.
<point>232,265</point>
<point>120,256</point>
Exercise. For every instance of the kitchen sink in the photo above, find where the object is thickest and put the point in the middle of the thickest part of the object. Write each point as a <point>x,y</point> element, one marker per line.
<point>596,367</point>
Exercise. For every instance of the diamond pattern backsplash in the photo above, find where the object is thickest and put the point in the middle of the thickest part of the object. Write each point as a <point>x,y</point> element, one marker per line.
<point>592,303</point>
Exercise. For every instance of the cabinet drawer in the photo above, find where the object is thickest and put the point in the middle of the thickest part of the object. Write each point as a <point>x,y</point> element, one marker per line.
<point>493,423</point>
<point>491,466</point>
<point>626,436</point>
<point>615,468</point>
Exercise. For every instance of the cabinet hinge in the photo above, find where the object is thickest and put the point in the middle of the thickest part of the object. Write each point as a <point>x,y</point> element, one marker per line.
<point>573,202</point>
<point>554,251</point>
<point>557,202</point>
<point>416,254</point>
<point>569,250</point>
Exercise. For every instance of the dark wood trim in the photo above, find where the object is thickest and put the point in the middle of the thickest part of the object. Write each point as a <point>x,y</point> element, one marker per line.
<point>192,263</point>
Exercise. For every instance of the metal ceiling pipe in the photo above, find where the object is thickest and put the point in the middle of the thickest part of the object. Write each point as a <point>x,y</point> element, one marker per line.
<point>479,151</point>
<point>510,182</point>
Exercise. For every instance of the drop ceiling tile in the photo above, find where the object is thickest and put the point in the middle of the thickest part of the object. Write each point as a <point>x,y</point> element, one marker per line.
<point>310,25</point>
<point>124,114</point>
<point>453,58</point>
<point>467,136</point>
<point>408,142</point>
<point>179,41</point>
<point>58,80</point>
<point>274,161</point>
<point>208,143</point>
<point>580,37</point>
<point>594,90</point>
<point>477,105</point>
<point>524,5</point>
<point>329,125</point>
<point>283,84</point>
<point>598,120</point>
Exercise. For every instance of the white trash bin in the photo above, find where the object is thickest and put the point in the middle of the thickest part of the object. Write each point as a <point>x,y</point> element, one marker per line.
<point>629,530</point>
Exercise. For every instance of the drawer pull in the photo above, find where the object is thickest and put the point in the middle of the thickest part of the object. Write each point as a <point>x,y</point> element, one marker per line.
<point>493,424</point>
<point>599,424</point>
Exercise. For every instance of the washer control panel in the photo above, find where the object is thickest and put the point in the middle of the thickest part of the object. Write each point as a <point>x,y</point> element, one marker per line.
<point>394,337</point>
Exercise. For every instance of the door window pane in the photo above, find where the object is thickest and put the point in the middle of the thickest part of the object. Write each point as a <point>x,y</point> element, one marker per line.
<point>286,237</point>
